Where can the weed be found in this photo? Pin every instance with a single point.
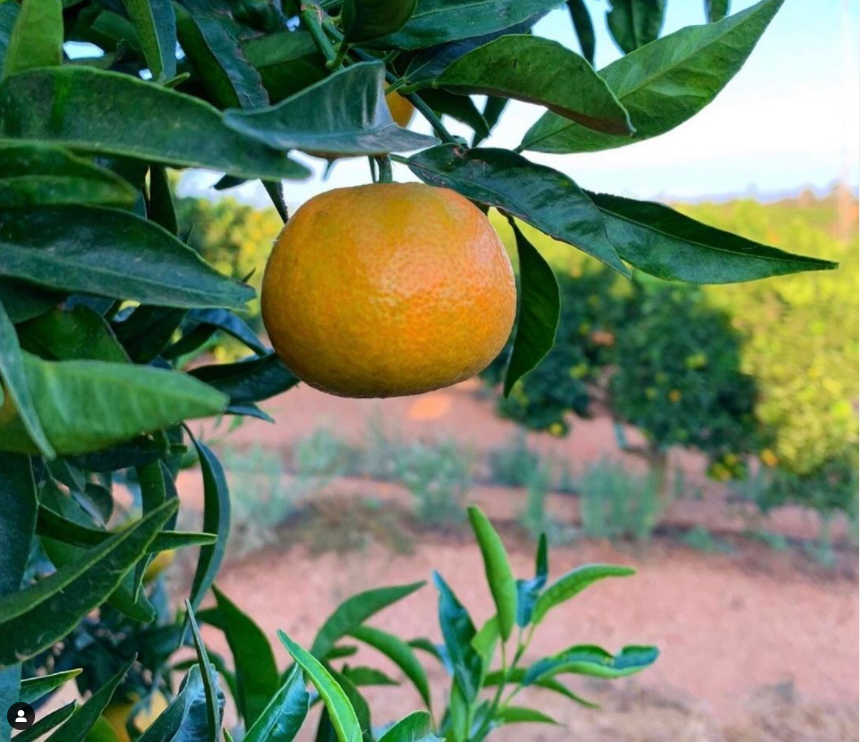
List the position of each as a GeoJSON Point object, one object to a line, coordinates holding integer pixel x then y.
{"type": "Point", "coordinates": [323, 454]}
{"type": "Point", "coordinates": [514, 464]}
{"type": "Point", "coordinates": [701, 539]}
{"type": "Point", "coordinates": [438, 476]}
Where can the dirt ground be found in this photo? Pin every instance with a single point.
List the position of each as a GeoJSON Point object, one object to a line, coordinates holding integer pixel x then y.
{"type": "Point", "coordinates": [755, 645]}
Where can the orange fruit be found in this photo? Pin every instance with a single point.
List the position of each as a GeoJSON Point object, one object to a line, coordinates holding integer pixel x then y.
{"type": "Point", "coordinates": [388, 289]}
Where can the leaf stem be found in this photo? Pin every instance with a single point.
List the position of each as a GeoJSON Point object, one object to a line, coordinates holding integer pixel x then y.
{"type": "Point", "coordinates": [385, 174]}
{"type": "Point", "coordinates": [335, 64]}
{"type": "Point", "coordinates": [311, 15]}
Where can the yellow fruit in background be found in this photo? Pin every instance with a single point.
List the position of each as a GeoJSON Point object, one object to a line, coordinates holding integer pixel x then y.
{"type": "Point", "coordinates": [159, 563]}
{"type": "Point", "coordinates": [117, 715]}
{"type": "Point", "coordinates": [388, 289]}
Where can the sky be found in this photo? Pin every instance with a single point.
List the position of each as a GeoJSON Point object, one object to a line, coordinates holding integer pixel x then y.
{"type": "Point", "coordinates": [789, 119]}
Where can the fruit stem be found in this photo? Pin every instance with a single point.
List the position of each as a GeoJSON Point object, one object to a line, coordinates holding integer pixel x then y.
{"type": "Point", "coordinates": [311, 15]}
{"type": "Point", "coordinates": [385, 174]}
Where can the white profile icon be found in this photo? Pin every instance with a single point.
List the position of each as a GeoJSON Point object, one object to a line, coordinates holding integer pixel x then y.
{"type": "Point", "coordinates": [21, 716]}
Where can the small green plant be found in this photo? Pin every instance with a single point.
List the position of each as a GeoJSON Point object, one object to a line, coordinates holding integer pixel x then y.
{"type": "Point", "coordinates": [438, 476]}
{"type": "Point", "coordinates": [701, 539]}
{"type": "Point", "coordinates": [514, 464]}
{"type": "Point", "coordinates": [535, 518]}
{"type": "Point", "coordinates": [617, 504]}
{"type": "Point", "coordinates": [774, 541]}
{"type": "Point", "coordinates": [323, 454]}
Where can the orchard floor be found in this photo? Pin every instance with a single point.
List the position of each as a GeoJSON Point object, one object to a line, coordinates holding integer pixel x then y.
{"type": "Point", "coordinates": [755, 645]}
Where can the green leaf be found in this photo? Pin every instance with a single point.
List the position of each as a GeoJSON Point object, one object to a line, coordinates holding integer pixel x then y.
{"type": "Point", "coordinates": [439, 21]}
{"type": "Point", "coordinates": [111, 253]}
{"type": "Point", "coordinates": [518, 674]}
{"type": "Point", "coordinates": [516, 66]}
{"type": "Point", "coordinates": [85, 717]}
{"type": "Point", "coordinates": [288, 62]}
{"type": "Point", "coordinates": [523, 715]}
{"type": "Point", "coordinates": [583, 26]}
{"type": "Point", "coordinates": [345, 114]}
{"type": "Point", "coordinates": [216, 319]}
{"type": "Point", "coordinates": [46, 175]}
{"type": "Point", "coordinates": [400, 653]}
{"type": "Point", "coordinates": [634, 23]}
{"type": "Point", "coordinates": [416, 727]}
{"type": "Point", "coordinates": [658, 240]}
{"type": "Point", "coordinates": [37, 37]}
{"type": "Point", "coordinates": [354, 611]}
{"type": "Point", "coordinates": [283, 717]}
{"type": "Point", "coordinates": [365, 20]}
{"type": "Point", "coordinates": [485, 642]}
{"type": "Point", "coordinates": [185, 714]}
{"type": "Point", "coordinates": [212, 692]}
{"type": "Point", "coordinates": [341, 713]}
{"type": "Point", "coordinates": [359, 705]}
{"type": "Point", "coordinates": [88, 405]}
{"type": "Point", "coordinates": [216, 519]}
{"type": "Point", "coordinates": [18, 395]}
{"type": "Point", "coordinates": [161, 207]}
{"type": "Point", "coordinates": [664, 83]}
{"type": "Point", "coordinates": [497, 568]}
{"type": "Point", "coordinates": [716, 10]}
{"type": "Point", "coordinates": [8, 13]}
{"type": "Point", "coordinates": [23, 301]}
{"type": "Point", "coordinates": [248, 381]}
{"type": "Point", "coordinates": [528, 591]}
{"type": "Point", "coordinates": [362, 676]}
{"type": "Point", "coordinates": [35, 618]}
{"type": "Point", "coordinates": [536, 194]}
{"type": "Point", "coordinates": [148, 330]}
{"type": "Point", "coordinates": [256, 672]}
{"type": "Point", "coordinates": [573, 583]}
{"type": "Point", "coordinates": [46, 723]}
{"type": "Point", "coordinates": [32, 689]}
{"type": "Point", "coordinates": [156, 30]}
{"type": "Point", "coordinates": [18, 507]}
{"type": "Point", "coordinates": [57, 106]}
{"type": "Point", "coordinates": [593, 661]}
{"type": "Point", "coordinates": [459, 107]}
{"type": "Point", "coordinates": [538, 312]}
{"type": "Point", "coordinates": [78, 334]}
{"type": "Point", "coordinates": [458, 631]}
{"type": "Point", "coordinates": [493, 109]}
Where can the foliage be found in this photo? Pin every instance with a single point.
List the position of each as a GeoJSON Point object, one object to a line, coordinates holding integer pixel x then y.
{"type": "Point", "coordinates": [513, 464]}
{"type": "Point", "coordinates": [438, 476]}
{"type": "Point", "coordinates": [102, 300]}
{"type": "Point", "coordinates": [617, 504]}
{"type": "Point", "coordinates": [701, 539]}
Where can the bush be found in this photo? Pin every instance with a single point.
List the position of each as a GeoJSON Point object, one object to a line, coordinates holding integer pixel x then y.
{"type": "Point", "coordinates": [438, 476]}
{"type": "Point", "coordinates": [514, 464]}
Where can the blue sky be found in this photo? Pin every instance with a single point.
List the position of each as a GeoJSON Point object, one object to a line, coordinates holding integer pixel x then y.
{"type": "Point", "coordinates": [789, 119]}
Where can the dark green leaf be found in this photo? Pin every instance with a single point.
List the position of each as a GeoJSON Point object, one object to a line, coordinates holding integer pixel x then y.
{"type": "Point", "coordinates": [634, 23]}
{"type": "Point", "coordinates": [416, 727]}
{"type": "Point", "coordinates": [365, 20]}
{"type": "Point", "coordinates": [493, 109]}
{"type": "Point", "coordinates": [78, 334]}
{"type": "Point", "coordinates": [664, 83]}
{"type": "Point", "coordinates": [283, 717]}
{"type": "Point", "coordinates": [460, 107]}
{"type": "Point", "coordinates": [37, 37]}
{"type": "Point", "coordinates": [138, 451]}
{"type": "Point", "coordinates": [341, 713]}
{"type": "Point", "coordinates": [56, 105]}
{"type": "Point", "coordinates": [161, 207]}
{"type": "Point", "coordinates": [216, 519]}
{"type": "Point", "coordinates": [32, 689]}
{"type": "Point", "coordinates": [497, 568]}
{"type": "Point", "coordinates": [214, 696]}
{"type": "Point", "coordinates": [8, 13]}
{"type": "Point", "coordinates": [88, 405]}
{"type": "Point", "coordinates": [540, 196]}
{"type": "Point", "coordinates": [147, 330]}
{"type": "Point", "coordinates": [716, 10]}
{"type": "Point", "coordinates": [362, 676]}
{"type": "Point", "coordinates": [256, 672]}
{"type": "Point", "coordinates": [518, 674]}
{"type": "Point", "coordinates": [458, 631]}
{"type": "Point", "coordinates": [439, 21]}
{"type": "Point", "coordinates": [288, 62]}
{"type": "Point", "coordinates": [522, 715]}
{"type": "Point", "coordinates": [45, 175]}
{"type": "Point", "coordinates": [111, 253]}
{"type": "Point", "coordinates": [583, 26]}
{"type": "Point", "coordinates": [248, 381]}
{"type": "Point", "coordinates": [573, 583]}
{"type": "Point", "coordinates": [593, 661]}
{"type": "Point", "coordinates": [220, 319]}
{"type": "Point", "coordinates": [35, 618]}
{"type": "Point", "coordinates": [399, 652]}
{"type": "Point", "coordinates": [18, 395]}
{"type": "Point", "coordinates": [156, 30]}
{"type": "Point", "coordinates": [529, 590]}
{"type": "Point", "coordinates": [184, 719]}
{"type": "Point", "coordinates": [515, 66]}
{"type": "Point", "coordinates": [663, 242]}
{"type": "Point", "coordinates": [345, 114]}
{"type": "Point", "coordinates": [46, 723]}
{"type": "Point", "coordinates": [354, 611]}
{"type": "Point", "coordinates": [359, 705]}
{"type": "Point", "coordinates": [23, 301]}
{"type": "Point", "coordinates": [538, 312]}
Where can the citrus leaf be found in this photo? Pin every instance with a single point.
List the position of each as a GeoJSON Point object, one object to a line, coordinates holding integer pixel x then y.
{"type": "Point", "coordinates": [111, 253]}
{"type": "Point", "coordinates": [365, 20]}
{"type": "Point", "coordinates": [518, 674]}
{"type": "Point", "coordinates": [716, 10]}
{"type": "Point", "coordinates": [538, 312]}
{"type": "Point", "coordinates": [283, 717]}
{"type": "Point", "coordinates": [78, 334]}
{"type": "Point", "coordinates": [36, 617]}
{"type": "Point", "coordinates": [439, 21]}
{"type": "Point", "coordinates": [536, 194]}
{"type": "Point", "coordinates": [592, 661]}
{"type": "Point", "coordinates": [340, 711]}
{"type": "Point", "coordinates": [161, 207]}
{"type": "Point", "coordinates": [216, 519]}
{"type": "Point", "coordinates": [248, 381]}
{"type": "Point", "coordinates": [8, 13]}
{"type": "Point", "coordinates": [156, 31]}
{"type": "Point", "coordinates": [46, 175]}
{"type": "Point", "coordinates": [634, 23]}
{"type": "Point", "coordinates": [23, 301]}
{"type": "Point", "coordinates": [416, 727]}
{"type": "Point", "coordinates": [354, 611]}
{"type": "Point", "coordinates": [253, 659]}
{"type": "Point", "coordinates": [16, 388]}
{"type": "Point", "coordinates": [288, 62]}
{"type": "Point", "coordinates": [215, 319]}
{"type": "Point", "coordinates": [523, 715]}
{"type": "Point", "coordinates": [85, 717]}
{"type": "Point", "coordinates": [32, 689]}
{"type": "Point", "coordinates": [400, 653]}
{"type": "Point", "coordinates": [458, 631]}
{"type": "Point", "coordinates": [573, 583]}
{"type": "Point", "coordinates": [583, 26]}
{"type": "Point", "coordinates": [147, 330]}
{"type": "Point", "coordinates": [179, 721]}
{"type": "Point", "coordinates": [345, 114]}
{"type": "Point", "coordinates": [58, 105]}
{"type": "Point", "coordinates": [88, 405]}
{"type": "Point", "coordinates": [529, 590]}
{"type": "Point", "coordinates": [359, 705]}
{"type": "Point", "coordinates": [361, 676]}
{"type": "Point", "coordinates": [541, 71]}
{"type": "Point", "coordinates": [212, 692]}
{"type": "Point", "coordinates": [37, 37]}
{"type": "Point", "coordinates": [46, 723]}
{"type": "Point", "coordinates": [459, 107]}
{"type": "Point", "coordinates": [658, 240]}
{"type": "Point", "coordinates": [664, 83]}
{"type": "Point", "coordinates": [497, 568]}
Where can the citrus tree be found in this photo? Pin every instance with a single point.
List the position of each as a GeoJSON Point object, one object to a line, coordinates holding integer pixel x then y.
{"type": "Point", "coordinates": [100, 293]}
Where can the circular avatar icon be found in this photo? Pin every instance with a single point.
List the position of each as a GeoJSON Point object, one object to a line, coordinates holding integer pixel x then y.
{"type": "Point", "coordinates": [21, 716]}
